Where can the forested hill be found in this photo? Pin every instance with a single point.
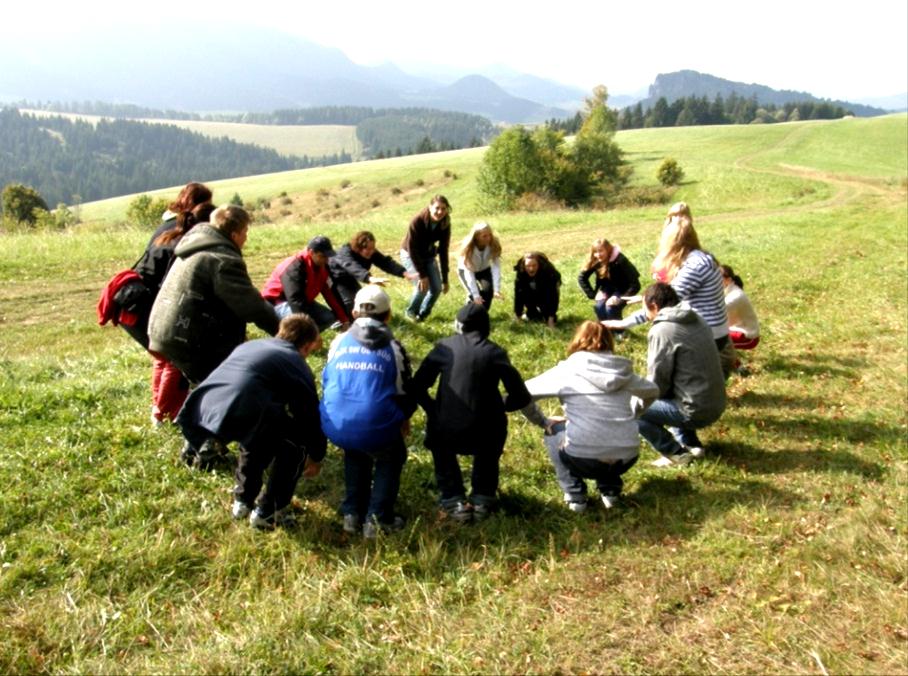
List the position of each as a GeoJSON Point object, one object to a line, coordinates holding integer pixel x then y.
{"type": "Point", "coordinates": [382, 131]}
{"type": "Point", "coordinates": [71, 160]}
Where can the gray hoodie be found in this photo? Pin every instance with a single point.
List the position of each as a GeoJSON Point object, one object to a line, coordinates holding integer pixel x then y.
{"type": "Point", "coordinates": [684, 362]}
{"type": "Point", "coordinates": [595, 389]}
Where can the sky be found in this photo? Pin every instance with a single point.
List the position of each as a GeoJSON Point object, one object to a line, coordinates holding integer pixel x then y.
{"type": "Point", "coordinates": [837, 50]}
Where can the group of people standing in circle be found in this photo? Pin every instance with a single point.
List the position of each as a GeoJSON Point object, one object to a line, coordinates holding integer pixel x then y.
{"type": "Point", "coordinates": [191, 297]}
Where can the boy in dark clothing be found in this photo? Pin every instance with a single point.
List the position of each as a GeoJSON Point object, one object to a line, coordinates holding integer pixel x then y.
{"type": "Point", "coordinates": [365, 411]}
{"type": "Point", "coordinates": [263, 396]}
{"type": "Point", "coordinates": [467, 416]}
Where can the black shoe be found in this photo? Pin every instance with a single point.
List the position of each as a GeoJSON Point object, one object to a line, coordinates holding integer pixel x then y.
{"type": "Point", "coordinates": [189, 454]}
{"type": "Point", "coordinates": [212, 453]}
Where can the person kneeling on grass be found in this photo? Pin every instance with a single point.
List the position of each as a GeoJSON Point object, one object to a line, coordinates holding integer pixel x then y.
{"type": "Point", "coordinates": [467, 416]}
{"type": "Point", "coordinates": [365, 411]}
{"type": "Point", "coordinates": [683, 361]}
{"type": "Point", "coordinates": [597, 437]}
{"type": "Point", "coordinates": [263, 396]}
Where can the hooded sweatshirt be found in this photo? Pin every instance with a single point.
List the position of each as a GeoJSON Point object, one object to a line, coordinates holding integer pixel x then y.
{"type": "Point", "coordinates": [595, 390]}
{"type": "Point", "coordinates": [468, 414]}
{"type": "Point", "coordinates": [201, 311]}
{"type": "Point", "coordinates": [363, 402]}
{"type": "Point", "coordinates": [684, 363]}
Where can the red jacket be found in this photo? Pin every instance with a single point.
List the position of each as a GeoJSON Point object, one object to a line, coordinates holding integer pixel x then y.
{"type": "Point", "coordinates": [297, 281]}
{"type": "Point", "coordinates": [108, 310]}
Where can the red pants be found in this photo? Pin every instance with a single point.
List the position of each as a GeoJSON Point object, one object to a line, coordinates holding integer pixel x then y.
{"type": "Point", "coordinates": [742, 342]}
{"type": "Point", "coordinates": [169, 389]}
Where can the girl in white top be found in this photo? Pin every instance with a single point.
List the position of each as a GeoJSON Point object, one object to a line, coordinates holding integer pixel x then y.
{"type": "Point", "coordinates": [479, 265]}
{"type": "Point", "coordinates": [743, 327]}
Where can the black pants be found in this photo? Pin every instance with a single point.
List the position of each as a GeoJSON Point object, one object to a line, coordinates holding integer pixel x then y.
{"type": "Point", "coordinates": [483, 481]}
{"type": "Point", "coordinates": [286, 460]}
{"type": "Point", "coordinates": [484, 282]}
{"type": "Point", "coordinates": [607, 475]}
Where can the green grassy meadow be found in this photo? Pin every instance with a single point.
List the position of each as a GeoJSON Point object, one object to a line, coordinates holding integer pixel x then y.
{"type": "Point", "coordinates": [784, 550]}
{"type": "Point", "coordinates": [290, 139]}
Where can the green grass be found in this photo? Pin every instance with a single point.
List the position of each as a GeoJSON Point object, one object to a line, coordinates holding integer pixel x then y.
{"type": "Point", "coordinates": [784, 551]}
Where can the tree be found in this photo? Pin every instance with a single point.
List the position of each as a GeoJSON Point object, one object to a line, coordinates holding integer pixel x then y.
{"type": "Point", "coordinates": [236, 200]}
{"type": "Point", "coordinates": [595, 152]}
{"type": "Point", "coordinates": [22, 203]}
{"type": "Point", "coordinates": [670, 172]}
{"type": "Point", "coordinates": [510, 167]}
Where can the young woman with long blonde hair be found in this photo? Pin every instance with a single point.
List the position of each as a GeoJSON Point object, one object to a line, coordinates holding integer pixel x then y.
{"type": "Point", "coordinates": [479, 265]}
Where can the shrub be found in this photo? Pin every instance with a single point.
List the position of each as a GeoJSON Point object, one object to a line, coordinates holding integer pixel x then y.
{"type": "Point", "coordinates": [420, 182]}
{"type": "Point", "coordinates": [236, 200]}
{"type": "Point", "coordinates": [376, 203]}
{"type": "Point", "coordinates": [22, 203]}
{"type": "Point", "coordinates": [345, 183]}
{"type": "Point", "coordinates": [396, 191]}
{"type": "Point", "coordinates": [286, 200]}
{"type": "Point", "coordinates": [670, 172]}
{"type": "Point", "coordinates": [146, 211]}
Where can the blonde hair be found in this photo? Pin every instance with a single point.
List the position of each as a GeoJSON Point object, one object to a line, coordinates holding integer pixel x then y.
{"type": "Point", "coordinates": [594, 263]}
{"type": "Point", "coordinates": [678, 239]}
{"type": "Point", "coordinates": [678, 209]}
{"type": "Point", "coordinates": [591, 337]}
{"type": "Point", "coordinates": [469, 243]}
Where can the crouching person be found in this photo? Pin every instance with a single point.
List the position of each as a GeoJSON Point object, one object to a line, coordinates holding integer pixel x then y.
{"type": "Point", "coordinates": [597, 437]}
{"type": "Point", "coordinates": [365, 411]}
{"type": "Point", "coordinates": [467, 416]}
{"type": "Point", "coordinates": [263, 396]}
{"type": "Point", "coordinates": [683, 361]}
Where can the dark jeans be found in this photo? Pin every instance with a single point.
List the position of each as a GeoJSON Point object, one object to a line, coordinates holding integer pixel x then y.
{"type": "Point", "coordinates": [604, 312]}
{"type": "Point", "coordinates": [483, 479]}
{"type": "Point", "coordinates": [571, 470]}
{"type": "Point", "coordinates": [286, 460]}
{"type": "Point", "coordinates": [321, 315]}
{"type": "Point", "coordinates": [607, 475]}
{"type": "Point", "coordinates": [372, 481]}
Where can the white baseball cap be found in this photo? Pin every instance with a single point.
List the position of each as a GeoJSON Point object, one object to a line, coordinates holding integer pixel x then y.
{"type": "Point", "coordinates": [371, 300]}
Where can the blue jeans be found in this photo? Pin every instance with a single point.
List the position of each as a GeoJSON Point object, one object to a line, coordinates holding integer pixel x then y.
{"type": "Point", "coordinates": [322, 316]}
{"type": "Point", "coordinates": [421, 303]}
{"type": "Point", "coordinates": [372, 482]}
{"type": "Point", "coordinates": [680, 429]}
{"type": "Point", "coordinates": [604, 311]}
{"type": "Point", "coordinates": [571, 471]}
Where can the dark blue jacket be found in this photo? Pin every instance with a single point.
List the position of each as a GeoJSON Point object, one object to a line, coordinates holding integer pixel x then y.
{"type": "Point", "coordinates": [263, 388]}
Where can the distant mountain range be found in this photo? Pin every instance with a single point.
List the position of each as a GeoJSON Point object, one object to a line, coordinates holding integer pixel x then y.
{"type": "Point", "coordinates": [239, 69]}
{"type": "Point", "coordinates": [685, 83]}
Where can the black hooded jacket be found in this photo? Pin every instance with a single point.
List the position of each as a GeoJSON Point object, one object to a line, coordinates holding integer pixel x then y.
{"type": "Point", "coordinates": [468, 412]}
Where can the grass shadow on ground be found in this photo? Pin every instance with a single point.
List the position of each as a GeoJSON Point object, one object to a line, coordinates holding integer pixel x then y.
{"type": "Point", "coordinates": [760, 461]}
{"type": "Point", "coordinates": [827, 366]}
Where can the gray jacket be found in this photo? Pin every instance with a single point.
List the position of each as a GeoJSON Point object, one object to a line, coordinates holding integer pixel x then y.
{"type": "Point", "coordinates": [684, 363]}
{"type": "Point", "coordinates": [596, 390]}
{"type": "Point", "coordinates": [201, 311]}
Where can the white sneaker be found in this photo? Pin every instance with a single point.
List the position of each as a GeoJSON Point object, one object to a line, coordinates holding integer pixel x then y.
{"type": "Point", "coordinates": [683, 458]}
{"type": "Point", "coordinates": [696, 451]}
{"type": "Point", "coordinates": [240, 510]}
{"type": "Point", "coordinates": [573, 504]}
{"type": "Point", "coordinates": [610, 501]}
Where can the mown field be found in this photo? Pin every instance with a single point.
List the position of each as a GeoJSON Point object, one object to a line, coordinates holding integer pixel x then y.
{"type": "Point", "coordinates": [291, 139]}
{"type": "Point", "coordinates": [784, 550]}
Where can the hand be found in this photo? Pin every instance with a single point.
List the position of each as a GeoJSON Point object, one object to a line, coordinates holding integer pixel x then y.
{"type": "Point", "coordinates": [380, 281]}
{"type": "Point", "coordinates": [632, 299]}
{"type": "Point", "coordinates": [498, 295]}
{"type": "Point", "coordinates": [311, 468]}
{"type": "Point", "coordinates": [344, 326]}
{"type": "Point", "coordinates": [550, 322]}
{"type": "Point", "coordinates": [601, 295]}
{"type": "Point", "coordinates": [405, 428]}
{"type": "Point", "coordinates": [412, 276]}
{"type": "Point", "coordinates": [612, 324]}
{"type": "Point", "coordinates": [423, 285]}
{"type": "Point", "coordinates": [613, 301]}
{"type": "Point", "coordinates": [477, 300]}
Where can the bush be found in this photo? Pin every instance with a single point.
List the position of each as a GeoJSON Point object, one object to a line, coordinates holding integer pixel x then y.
{"type": "Point", "coordinates": [396, 191]}
{"type": "Point", "coordinates": [236, 200]}
{"type": "Point", "coordinates": [146, 211]}
{"type": "Point", "coordinates": [22, 203]}
{"type": "Point", "coordinates": [345, 183]}
{"type": "Point", "coordinates": [670, 172]}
